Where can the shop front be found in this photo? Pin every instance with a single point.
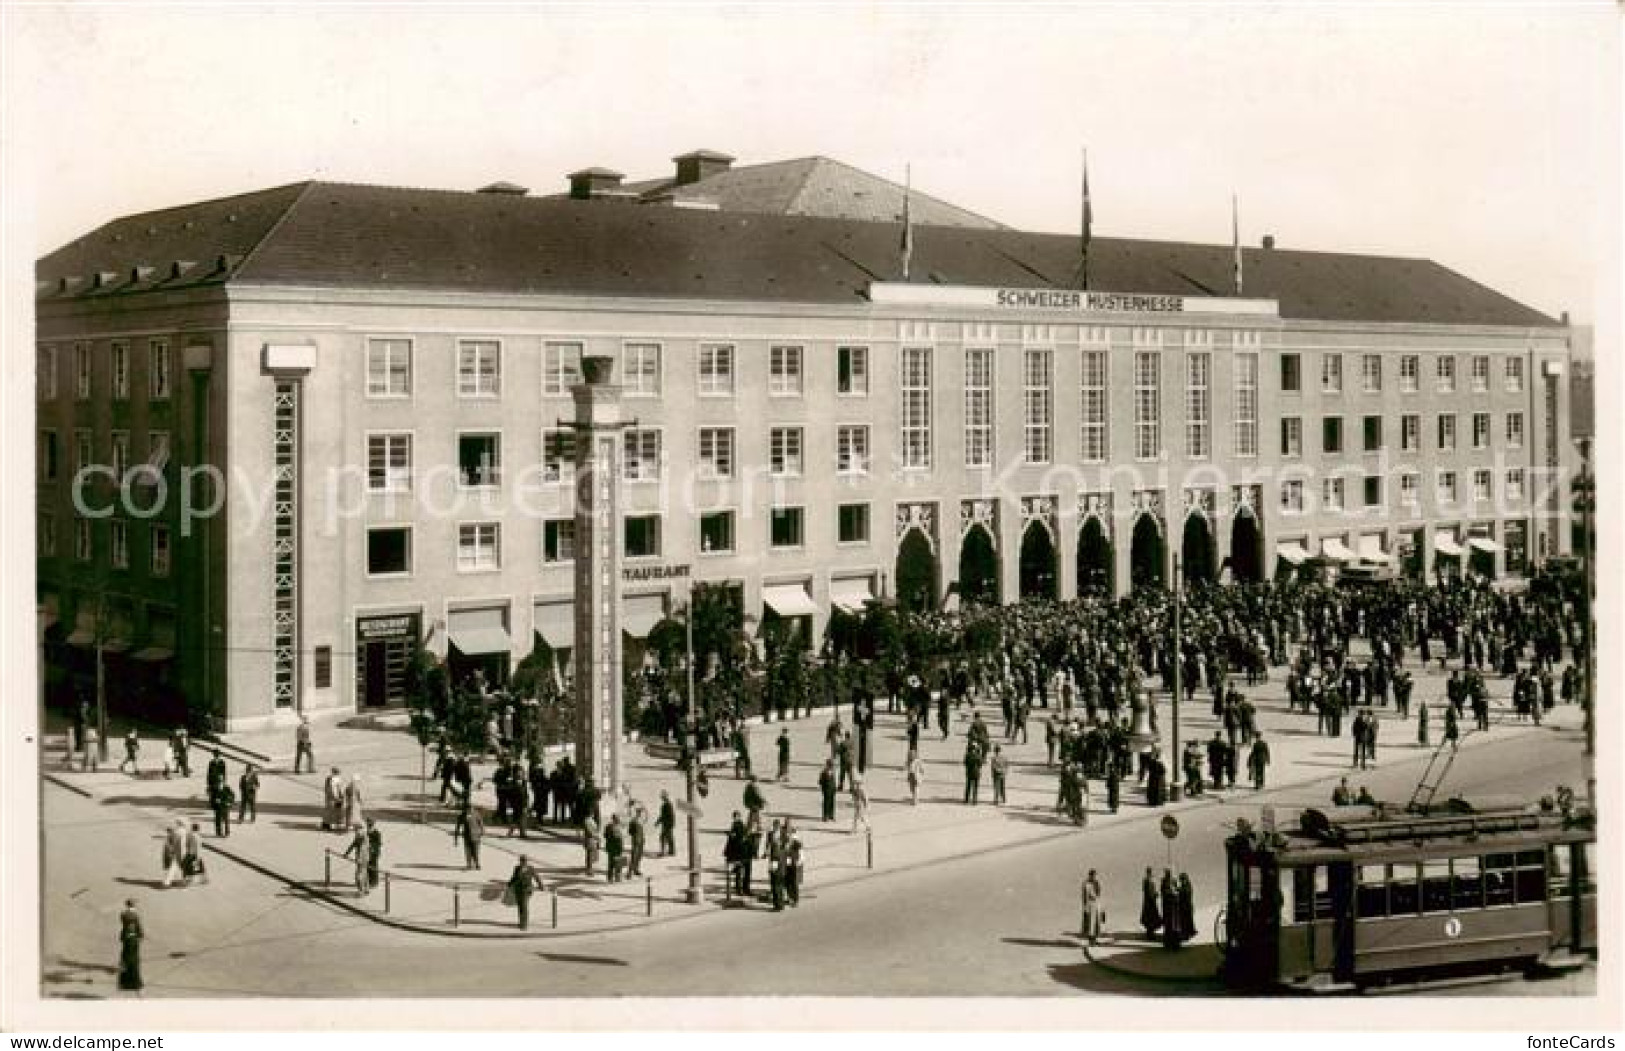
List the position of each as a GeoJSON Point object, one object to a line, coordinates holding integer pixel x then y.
{"type": "Point", "coordinates": [385, 645]}
{"type": "Point", "coordinates": [479, 645]}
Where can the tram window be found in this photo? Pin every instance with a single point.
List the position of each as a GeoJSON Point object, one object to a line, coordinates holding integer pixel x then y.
{"type": "Point", "coordinates": [1403, 897]}
{"type": "Point", "coordinates": [1255, 884]}
{"type": "Point", "coordinates": [1311, 894]}
{"type": "Point", "coordinates": [1436, 885]}
{"type": "Point", "coordinates": [1371, 897]}
{"type": "Point", "coordinates": [1299, 913]}
{"type": "Point", "coordinates": [1588, 868]}
{"type": "Point", "coordinates": [1498, 869]}
{"type": "Point", "coordinates": [1557, 870]}
{"type": "Point", "coordinates": [1467, 881]}
{"type": "Point", "coordinates": [1531, 879]}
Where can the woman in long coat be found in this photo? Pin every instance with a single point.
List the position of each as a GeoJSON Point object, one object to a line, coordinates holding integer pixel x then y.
{"type": "Point", "coordinates": [129, 938]}
{"type": "Point", "coordinates": [1150, 915]}
{"type": "Point", "coordinates": [1187, 908]}
{"type": "Point", "coordinates": [1094, 913]}
{"type": "Point", "coordinates": [353, 814]}
{"type": "Point", "coordinates": [174, 850]}
{"type": "Point", "coordinates": [1172, 927]}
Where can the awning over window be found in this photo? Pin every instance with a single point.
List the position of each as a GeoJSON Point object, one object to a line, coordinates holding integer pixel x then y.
{"type": "Point", "coordinates": [556, 622]}
{"type": "Point", "coordinates": [850, 594]}
{"type": "Point", "coordinates": [1445, 544]}
{"type": "Point", "coordinates": [1292, 551]}
{"type": "Point", "coordinates": [1371, 549]}
{"type": "Point", "coordinates": [640, 613]}
{"type": "Point", "coordinates": [476, 632]}
{"type": "Point", "coordinates": [1334, 548]}
{"type": "Point", "coordinates": [788, 600]}
{"type": "Point", "coordinates": [1483, 543]}
{"type": "Point", "coordinates": [161, 642]}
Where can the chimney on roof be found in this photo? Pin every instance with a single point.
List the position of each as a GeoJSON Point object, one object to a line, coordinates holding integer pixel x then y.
{"type": "Point", "coordinates": [700, 164]}
{"type": "Point", "coordinates": [504, 188]}
{"type": "Point", "coordinates": [1269, 241]}
{"type": "Point", "coordinates": [594, 182]}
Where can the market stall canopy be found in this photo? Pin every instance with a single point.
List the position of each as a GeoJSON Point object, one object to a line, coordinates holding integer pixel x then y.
{"type": "Point", "coordinates": [1445, 544]}
{"type": "Point", "coordinates": [851, 594]}
{"type": "Point", "coordinates": [640, 614]}
{"type": "Point", "coordinates": [1334, 548]}
{"type": "Point", "coordinates": [1371, 549]}
{"type": "Point", "coordinates": [556, 623]}
{"type": "Point", "coordinates": [1293, 551]}
{"type": "Point", "coordinates": [479, 631]}
{"type": "Point", "coordinates": [789, 600]}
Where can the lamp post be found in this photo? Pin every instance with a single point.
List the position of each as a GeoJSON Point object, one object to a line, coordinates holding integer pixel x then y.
{"type": "Point", "coordinates": [1175, 760]}
{"type": "Point", "coordinates": [695, 894]}
{"type": "Point", "coordinates": [1586, 499]}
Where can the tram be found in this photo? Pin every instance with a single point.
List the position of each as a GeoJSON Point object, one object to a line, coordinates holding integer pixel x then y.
{"type": "Point", "coordinates": [1361, 895]}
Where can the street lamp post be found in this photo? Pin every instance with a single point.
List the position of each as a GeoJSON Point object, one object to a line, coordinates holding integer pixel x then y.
{"type": "Point", "coordinates": [1587, 501]}
{"type": "Point", "coordinates": [1175, 761]}
{"type": "Point", "coordinates": [691, 750]}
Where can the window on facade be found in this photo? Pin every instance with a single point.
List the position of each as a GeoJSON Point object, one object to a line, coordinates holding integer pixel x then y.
{"type": "Point", "coordinates": [121, 370]}
{"type": "Point", "coordinates": [45, 373]}
{"type": "Point", "coordinates": [561, 368]}
{"type": "Point", "coordinates": [1038, 405]}
{"type": "Point", "coordinates": [479, 459]}
{"type": "Point", "coordinates": [559, 540]}
{"type": "Point", "coordinates": [1332, 494]}
{"type": "Point", "coordinates": [389, 550]}
{"type": "Point", "coordinates": [1147, 405]}
{"type": "Point", "coordinates": [1373, 490]}
{"type": "Point", "coordinates": [389, 368]}
{"type": "Point", "coordinates": [1095, 422]}
{"type": "Point", "coordinates": [1514, 375]}
{"type": "Point", "coordinates": [978, 407]}
{"type": "Point", "coordinates": [1198, 404]}
{"type": "Point", "coordinates": [1291, 373]}
{"type": "Point", "coordinates": [83, 549]}
{"type": "Point", "coordinates": [1447, 431]}
{"type": "Point", "coordinates": [1515, 483]}
{"type": "Point", "coordinates": [1291, 436]}
{"type": "Point", "coordinates": [916, 407]}
{"type": "Point", "coordinates": [1481, 430]}
{"type": "Point", "coordinates": [118, 544]}
{"type": "Point", "coordinates": [160, 550]}
{"type": "Point", "coordinates": [152, 470]}
{"type": "Point", "coordinates": [45, 534]}
{"type": "Point", "coordinates": [158, 373]}
{"type": "Point", "coordinates": [1331, 373]}
{"type": "Point", "coordinates": [785, 526]}
{"type": "Point", "coordinates": [1481, 373]}
{"type": "Point", "coordinates": [716, 452]}
{"type": "Point", "coordinates": [1246, 366]}
{"type": "Point", "coordinates": [121, 455]}
{"type": "Point", "coordinates": [1447, 487]}
{"type": "Point", "coordinates": [784, 372]}
{"type": "Point", "coordinates": [640, 371]}
{"type": "Point", "coordinates": [1483, 485]}
{"type": "Point", "coordinates": [852, 449]}
{"type": "Point", "coordinates": [1445, 372]}
{"type": "Point", "coordinates": [1514, 430]}
{"type": "Point", "coordinates": [717, 531]}
{"type": "Point", "coordinates": [324, 667]}
{"type": "Point", "coordinates": [479, 546]}
{"type": "Point", "coordinates": [1331, 434]}
{"type": "Point", "coordinates": [852, 522]}
{"type": "Point", "coordinates": [1410, 373]}
{"type": "Point", "coordinates": [640, 455]}
{"type": "Point", "coordinates": [784, 451]}
{"type": "Point", "coordinates": [716, 369]}
{"type": "Point", "coordinates": [1372, 428]}
{"type": "Point", "coordinates": [81, 371]}
{"type": "Point", "coordinates": [852, 370]}
{"type": "Point", "coordinates": [1410, 432]}
{"type": "Point", "coordinates": [389, 462]}
{"type": "Point", "coordinates": [1371, 373]}
{"type": "Point", "coordinates": [641, 536]}
{"type": "Point", "coordinates": [479, 368]}
{"type": "Point", "coordinates": [50, 456]}
{"type": "Point", "coordinates": [1410, 488]}
{"type": "Point", "coordinates": [558, 455]}
{"type": "Point", "coordinates": [1292, 495]}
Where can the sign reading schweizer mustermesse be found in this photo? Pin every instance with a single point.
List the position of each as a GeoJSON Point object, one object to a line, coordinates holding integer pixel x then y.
{"type": "Point", "coordinates": [1071, 300]}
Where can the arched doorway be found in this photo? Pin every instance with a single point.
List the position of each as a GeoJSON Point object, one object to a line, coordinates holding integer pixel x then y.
{"type": "Point", "coordinates": [1146, 554]}
{"type": "Point", "coordinates": [1246, 548]}
{"type": "Point", "coordinates": [916, 573]}
{"type": "Point", "coordinates": [1038, 575]}
{"type": "Point", "coordinates": [1094, 558]}
{"type": "Point", "coordinates": [1196, 551]}
{"type": "Point", "coordinates": [978, 567]}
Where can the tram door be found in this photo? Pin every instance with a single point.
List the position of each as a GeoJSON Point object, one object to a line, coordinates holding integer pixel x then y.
{"type": "Point", "coordinates": [1253, 924]}
{"type": "Point", "coordinates": [1342, 882]}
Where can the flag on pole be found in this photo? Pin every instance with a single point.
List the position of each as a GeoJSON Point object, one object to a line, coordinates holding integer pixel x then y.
{"type": "Point", "coordinates": [1235, 239]}
{"type": "Point", "coordinates": [908, 223]}
{"type": "Point", "coordinates": [1088, 224]}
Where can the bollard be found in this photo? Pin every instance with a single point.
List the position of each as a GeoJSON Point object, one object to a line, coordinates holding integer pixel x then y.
{"type": "Point", "coordinates": [386, 892]}
{"type": "Point", "coordinates": [869, 845]}
{"type": "Point", "coordinates": [327, 866]}
{"type": "Point", "coordinates": [456, 906]}
{"type": "Point", "coordinates": [648, 896]}
{"type": "Point", "coordinates": [555, 910]}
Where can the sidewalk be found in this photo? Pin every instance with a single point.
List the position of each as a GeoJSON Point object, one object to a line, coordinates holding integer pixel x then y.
{"type": "Point", "coordinates": [429, 890]}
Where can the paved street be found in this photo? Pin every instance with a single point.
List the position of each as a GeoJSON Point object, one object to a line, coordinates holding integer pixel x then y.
{"type": "Point", "coordinates": [959, 901]}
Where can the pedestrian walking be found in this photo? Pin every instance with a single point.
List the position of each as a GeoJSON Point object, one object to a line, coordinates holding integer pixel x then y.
{"type": "Point", "coordinates": [183, 750]}
{"type": "Point", "coordinates": [192, 855]}
{"type": "Point", "coordinates": [90, 753]}
{"type": "Point", "coordinates": [473, 832]}
{"type": "Point", "coordinates": [130, 936]}
{"type": "Point", "coordinates": [1422, 724]}
{"type": "Point", "coordinates": [615, 847]}
{"type": "Point", "coordinates": [522, 883]}
{"type": "Point", "coordinates": [375, 853]}
{"type": "Point", "coordinates": [222, 803]}
{"type": "Point", "coordinates": [784, 755]}
{"type": "Point", "coordinates": [1258, 762]}
{"type": "Point", "coordinates": [1094, 911]}
{"type": "Point", "coordinates": [1150, 914]}
{"type": "Point", "coordinates": [592, 841]}
{"type": "Point", "coordinates": [827, 790]}
{"type": "Point", "coordinates": [666, 822]}
{"type": "Point", "coordinates": [860, 805]}
{"type": "Point", "coordinates": [353, 812]}
{"type": "Point", "coordinates": [167, 757]}
{"type": "Point", "coordinates": [998, 765]}
{"type": "Point", "coordinates": [1185, 895]}
{"type": "Point", "coordinates": [916, 777]}
{"type": "Point", "coordinates": [1172, 929]}
{"type": "Point", "coordinates": [302, 750]}
{"type": "Point", "coordinates": [248, 791]}
{"type": "Point", "coordinates": [174, 851]}
{"type": "Point", "coordinates": [357, 852]}
{"type": "Point", "coordinates": [132, 754]}
{"type": "Point", "coordinates": [333, 802]}
{"type": "Point", "coordinates": [635, 833]}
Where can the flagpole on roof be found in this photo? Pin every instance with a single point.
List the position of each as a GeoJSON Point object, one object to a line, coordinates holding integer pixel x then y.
{"type": "Point", "coordinates": [908, 222]}
{"type": "Point", "coordinates": [1087, 234]}
{"type": "Point", "coordinates": [1235, 239]}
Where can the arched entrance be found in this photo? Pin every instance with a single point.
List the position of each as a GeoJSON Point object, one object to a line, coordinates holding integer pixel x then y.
{"type": "Point", "coordinates": [1246, 548]}
{"type": "Point", "coordinates": [978, 567]}
{"type": "Point", "coordinates": [1196, 551]}
{"type": "Point", "coordinates": [1146, 554]}
{"type": "Point", "coordinates": [916, 573]}
{"type": "Point", "coordinates": [1038, 576]}
{"type": "Point", "coordinates": [1094, 558]}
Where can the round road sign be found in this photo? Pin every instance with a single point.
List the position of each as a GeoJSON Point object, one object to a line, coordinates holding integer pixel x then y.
{"type": "Point", "coordinates": [1170, 826]}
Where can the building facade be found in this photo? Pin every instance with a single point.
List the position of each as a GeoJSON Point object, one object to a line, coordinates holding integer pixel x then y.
{"type": "Point", "coordinates": [338, 418]}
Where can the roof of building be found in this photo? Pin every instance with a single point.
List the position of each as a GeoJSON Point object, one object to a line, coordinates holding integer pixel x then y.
{"type": "Point", "coordinates": [355, 236]}
{"type": "Point", "coordinates": [810, 186]}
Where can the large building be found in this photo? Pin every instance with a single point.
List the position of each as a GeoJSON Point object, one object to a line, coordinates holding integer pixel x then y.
{"type": "Point", "coordinates": [338, 417]}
